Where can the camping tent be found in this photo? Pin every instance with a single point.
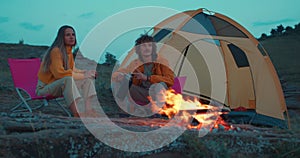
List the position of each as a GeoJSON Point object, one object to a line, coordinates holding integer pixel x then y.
{"type": "Point", "coordinates": [205, 41]}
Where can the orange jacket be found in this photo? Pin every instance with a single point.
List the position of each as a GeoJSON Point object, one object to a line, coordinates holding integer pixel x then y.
{"type": "Point", "coordinates": [56, 69]}
{"type": "Point", "coordinates": [161, 72]}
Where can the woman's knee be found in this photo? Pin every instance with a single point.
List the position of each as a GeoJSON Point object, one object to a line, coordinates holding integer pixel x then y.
{"type": "Point", "coordinates": [68, 79]}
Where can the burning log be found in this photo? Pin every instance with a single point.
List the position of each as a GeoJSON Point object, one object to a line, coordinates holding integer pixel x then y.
{"type": "Point", "coordinates": [195, 113]}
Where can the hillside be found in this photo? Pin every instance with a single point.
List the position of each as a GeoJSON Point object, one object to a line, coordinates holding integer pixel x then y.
{"type": "Point", "coordinates": [284, 53]}
{"type": "Point", "coordinates": [20, 51]}
{"type": "Point", "coordinates": [47, 133]}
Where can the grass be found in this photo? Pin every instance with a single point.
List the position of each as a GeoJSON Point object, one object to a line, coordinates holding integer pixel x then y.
{"type": "Point", "coordinates": [284, 53]}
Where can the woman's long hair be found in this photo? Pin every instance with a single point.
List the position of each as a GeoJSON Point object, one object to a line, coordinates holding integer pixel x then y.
{"type": "Point", "coordinates": [145, 39]}
{"type": "Point", "coordinates": [60, 43]}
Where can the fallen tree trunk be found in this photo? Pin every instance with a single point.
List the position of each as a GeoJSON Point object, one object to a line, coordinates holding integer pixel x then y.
{"type": "Point", "coordinates": [26, 135]}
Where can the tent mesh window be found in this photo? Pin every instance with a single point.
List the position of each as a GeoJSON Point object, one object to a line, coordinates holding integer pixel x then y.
{"type": "Point", "coordinates": [223, 28]}
{"type": "Point", "coordinates": [239, 56]}
{"type": "Point", "coordinates": [211, 25]}
{"type": "Point", "coordinates": [161, 34]}
{"type": "Point", "coordinates": [199, 24]}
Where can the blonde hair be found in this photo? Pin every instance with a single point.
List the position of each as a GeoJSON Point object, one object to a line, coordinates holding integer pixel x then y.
{"type": "Point", "coordinates": [60, 43]}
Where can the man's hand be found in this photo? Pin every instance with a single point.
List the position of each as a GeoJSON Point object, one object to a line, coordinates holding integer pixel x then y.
{"type": "Point", "coordinates": [140, 76]}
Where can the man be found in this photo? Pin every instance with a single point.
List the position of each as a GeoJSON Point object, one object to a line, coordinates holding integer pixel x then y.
{"type": "Point", "coordinates": [150, 73]}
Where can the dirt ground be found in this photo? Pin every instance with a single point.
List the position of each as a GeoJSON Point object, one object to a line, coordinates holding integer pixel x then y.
{"type": "Point", "coordinates": [48, 133]}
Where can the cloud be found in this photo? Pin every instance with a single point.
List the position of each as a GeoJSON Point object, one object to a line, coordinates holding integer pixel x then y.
{"type": "Point", "coordinates": [265, 23]}
{"type": "Point", "coordinates": [30, 26]}
{"type": "Point", "coordinates": [3, 19]}
{"type": "Point", "coordinates": [86, 15]}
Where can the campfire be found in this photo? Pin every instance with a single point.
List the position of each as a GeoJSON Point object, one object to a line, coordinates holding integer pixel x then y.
{"type": "Point", "coordinates": [193, 112]}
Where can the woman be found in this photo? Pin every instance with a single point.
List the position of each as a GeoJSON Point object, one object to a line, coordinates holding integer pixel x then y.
{"type": "Point", "coordinates": [58, 72]}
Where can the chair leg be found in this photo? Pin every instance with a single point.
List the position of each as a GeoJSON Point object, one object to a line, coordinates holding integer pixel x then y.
{"type": "Point", "coordinates": [27, 107]}
{"type": "Point", "coordinates": [24, 101]}
{"type": "Point", "coordinates": [65, 110]}
{"type": "Point", "coordinates": [42, 105]}
{"type": "Point", "coordinates": [17, 106]}
{"type": "Point", "coordinates": [45, 102]}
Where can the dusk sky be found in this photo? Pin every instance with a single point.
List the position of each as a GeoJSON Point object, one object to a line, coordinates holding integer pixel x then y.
{"type": "Point", "coordinates": [37, 21]}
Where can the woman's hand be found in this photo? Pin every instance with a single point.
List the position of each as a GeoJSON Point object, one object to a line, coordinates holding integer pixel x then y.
{"type": "Point", "coordinates": [118, 76]}
{"type": "Point", "coordinates": [90, 74]}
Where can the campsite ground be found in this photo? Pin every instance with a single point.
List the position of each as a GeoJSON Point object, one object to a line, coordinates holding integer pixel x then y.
{"type": "Point", "coordinates": [47, 134]}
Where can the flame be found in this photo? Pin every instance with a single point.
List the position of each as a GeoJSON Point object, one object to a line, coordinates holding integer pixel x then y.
{"type": "Point", "coordinates": [187, 109]}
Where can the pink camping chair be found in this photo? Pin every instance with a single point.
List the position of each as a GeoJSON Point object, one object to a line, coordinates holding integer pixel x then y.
{"type": "Point", "coordinates": [179, 83]}
{"type": "Point", "coordinates": [24, 74]}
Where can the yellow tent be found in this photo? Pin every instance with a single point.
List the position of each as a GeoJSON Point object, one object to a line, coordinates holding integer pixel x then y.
{"type": "Point", "coordinates": [222, 62]}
